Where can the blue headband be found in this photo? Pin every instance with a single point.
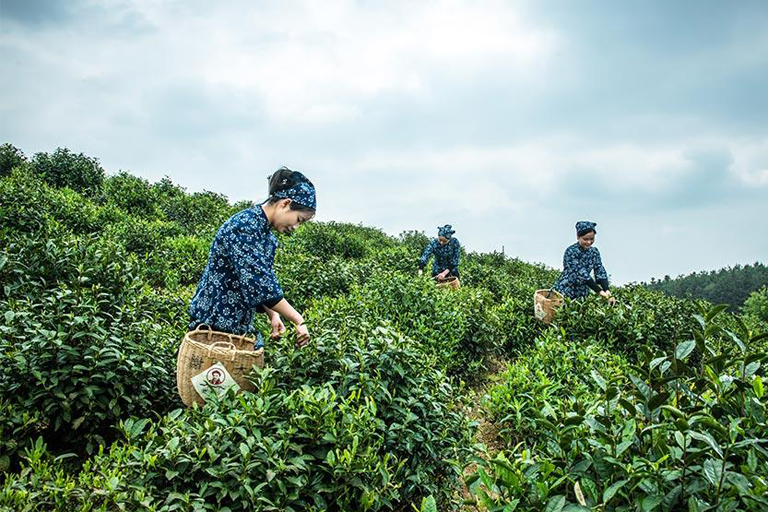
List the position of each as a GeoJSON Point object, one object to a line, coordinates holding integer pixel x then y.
{"type": "Point", "coordinates": [445, 231]}
{"type": "Point", "coordinates": [302, 193]}
{"type": "Point", "coordinates": [584, 226]}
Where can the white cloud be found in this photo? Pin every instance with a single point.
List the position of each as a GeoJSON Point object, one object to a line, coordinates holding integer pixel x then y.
{"type": "Point", "coordinates": [310, 61]}
{"type": "Point", "coordinates": [751, 162]}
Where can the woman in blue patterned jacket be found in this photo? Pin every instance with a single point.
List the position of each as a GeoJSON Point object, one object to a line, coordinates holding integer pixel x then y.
{"type": "Point", "coordinates": [579, 262]}
{"type": "Point", "coordinates": [446, 250]}
{"type": "Point", "coordinates": [238, 280]}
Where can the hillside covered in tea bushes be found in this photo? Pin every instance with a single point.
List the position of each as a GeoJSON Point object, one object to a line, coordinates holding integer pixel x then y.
{"type": "Point", "coordinates": [408, 396]}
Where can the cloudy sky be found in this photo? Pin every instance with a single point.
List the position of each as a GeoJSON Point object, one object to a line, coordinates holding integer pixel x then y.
{"type": "Point", "coordinates": [509, 120]}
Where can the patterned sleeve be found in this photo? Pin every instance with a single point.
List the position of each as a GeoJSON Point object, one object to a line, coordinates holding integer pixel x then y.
{"type": "Point", "coordinates": [455, 253]}
{"type": "Point", "coordinates": [599, 269]}
{"type": "Point", "coordinates": [258, 282]}
{"type": "Point", "coordinates": [427, 253]}
{"type": "Point", "coordinates": [573, 267]}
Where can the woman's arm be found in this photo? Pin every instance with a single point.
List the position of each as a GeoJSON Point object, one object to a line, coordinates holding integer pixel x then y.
{"type": "Point", "coordinates": [278, 328]}
{"type": "Point", "coordinates": [455, 255]}
{"type": "Point", "coordinates": [253, 268]}
{"type": "Point", "coordinates": [427, 253]}
{"type": "Point", "coordinates": [600, 273]}
{"type": "Point", "coordinates": [601, 276]}
{"type": "Point", "coordinates": [284, 309]}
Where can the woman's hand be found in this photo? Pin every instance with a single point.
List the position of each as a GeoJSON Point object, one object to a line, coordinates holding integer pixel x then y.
{"type": "Point", "coordinates": [302, 335]}
{"type": "Point", "coordinates": [441, 275]}
{"type": "Point", "coordinates": [284, 309]}
{"type": "Point", "coordinates": [607, 295]}
{"type": "Point", "coordinates": [278, 328]}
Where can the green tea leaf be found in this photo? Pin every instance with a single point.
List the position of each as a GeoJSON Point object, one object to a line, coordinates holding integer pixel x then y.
{"type": "Point", "coordinates": [598, 379]}
{"type": "Point", "coordinates": [713, 471]}
{"type": "Point", "coordinates": [612, 490]}
{"type": "Point", "coordinates": [555, 504]}
{"type": "Point", "coordinates": [651, 502]}
{"type": "Point", "coordinates": [684, 349]}
{"type": "Point", "coordinates": [716, 311]}
{"type": "Point", "coordinates": [428, 504]}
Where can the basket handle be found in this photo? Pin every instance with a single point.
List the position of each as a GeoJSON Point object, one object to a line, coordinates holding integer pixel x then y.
{"type": "Point", "coordinates": [207, 328]}
{"type": "Point", "coordinates": [223, 344]}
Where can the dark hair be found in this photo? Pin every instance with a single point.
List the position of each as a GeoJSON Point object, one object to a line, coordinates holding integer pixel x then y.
{"type": "Point", "coordinates": [585, 231]}
{"type": "Point", "coordinates": [284, 179]}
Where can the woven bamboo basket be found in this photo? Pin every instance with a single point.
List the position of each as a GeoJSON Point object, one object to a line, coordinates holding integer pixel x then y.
{"type": "Point", "coordinates": [545, 304]}
{"type": "Point", "coordinates": [450, 282]}
{"type": "Point", "coordinates": [204, 347]}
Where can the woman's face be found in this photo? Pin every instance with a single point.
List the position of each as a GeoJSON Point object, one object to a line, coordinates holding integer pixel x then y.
{"type": "Point", "coordinates": [586, 241]}
{"type": "Point", "coordinates": [287, 220]}
{"type": "Point", "coordinates": [442, 240]}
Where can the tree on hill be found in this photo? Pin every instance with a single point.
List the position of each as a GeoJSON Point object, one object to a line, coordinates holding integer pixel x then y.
{"type": "Point", "coordinates": [730, 285]}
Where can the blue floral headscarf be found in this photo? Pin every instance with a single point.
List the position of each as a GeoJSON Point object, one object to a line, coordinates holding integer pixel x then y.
{"type": "Point", "coordinates": [584, 226]}
{"type": "Point", "coordinates": [302, 193]}
{"type": "Point", "coordinates": [445, 231]}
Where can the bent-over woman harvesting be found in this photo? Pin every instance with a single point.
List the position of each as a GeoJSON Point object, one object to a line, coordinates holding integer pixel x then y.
{"type": "Point", "coordinates": [238, 280]}
{"type": "Point", "coordinates": [446, 250]}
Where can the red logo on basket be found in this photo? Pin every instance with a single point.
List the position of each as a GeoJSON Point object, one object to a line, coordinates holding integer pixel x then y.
{"type": "Point", "coordinates": [214, 377]}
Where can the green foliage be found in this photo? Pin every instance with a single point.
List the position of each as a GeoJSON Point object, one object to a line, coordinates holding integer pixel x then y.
{"type": "Point", "coordinates": [28, 205]}
{"type": "Point", "coordinates": [140, 236]}
{"type": "Point", "coordinates": [177, 260]}
{"type": "Point", "coordinates": [75, 347]}
{"type": "Point", "coordinates": [551, 373]}
{"type": "Point", "coordinates": [333, 239]}
{"type": "Point", "coordinates": [640, 317]}
{"type": "Point", "coordinates": [194, 213]}
{"type": "Point", "coordinates": [131, 194]}
{"type": "Point", "coordinates": [730, 285]}
{"type": "Point", "coordinates": [62, 168]}
{"type": "Point", "coordinates": [664, 435]}
{"type": "Point", "coordinates": [344, 426]}
{"type": "Point", "coordinates": [10, 157]}
{"type": "Point", "coordinates": [459, 329]}
{"type": "Point", "coordinates": [757, 305]}
{"type": "Point", "coordinates": [17, 426]}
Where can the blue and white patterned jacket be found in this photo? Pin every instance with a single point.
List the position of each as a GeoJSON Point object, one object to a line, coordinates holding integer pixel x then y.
{"type": "Point", "coordinates": [238, 279]}
{"type": "Point", "coordinates": [578, 265]}
{"type": "Point", "coordinates": [446, 256]}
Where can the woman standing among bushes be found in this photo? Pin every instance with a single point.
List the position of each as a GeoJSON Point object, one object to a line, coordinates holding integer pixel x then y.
{"type": "Point", "coordinates": [579, 262]}
{"type": "Point", "coordinates": [238, 280]}
{"type": "Point", "coordinates": [446, 250]}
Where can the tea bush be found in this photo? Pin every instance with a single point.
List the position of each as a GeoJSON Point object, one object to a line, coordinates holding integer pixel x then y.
{"type": "Point", "coordinates": [69, 345]}
{"type": "Point", "coordinates": [459, 329]}
{"type": "Point", "coordinates": [141, 237]}
{"type": "Point", "coordinates": [177, 261]}
{"type": "Point", "coordinates": [343, 240]}
{"type": "Point", "coordinates": [200, 213]}
{"type": "Point", "coordinates": [553, 372]}
{"type": "Point", "coordinates": [369, 428]}
{"type": "Point", "coordinates": [665, 435]}
{"type": "Point", "coordinates": [10, 158]}
{"type": "Point", "coordinates": [639, 317]}
{"type": "Point", "coordinates": [131, 194]}
{"type": "Point", "coordinates": [305, 277]}
{"type": "Point", "coordinates": [63, 168]}
{"type": "Point", "coordinates": [757, 305]}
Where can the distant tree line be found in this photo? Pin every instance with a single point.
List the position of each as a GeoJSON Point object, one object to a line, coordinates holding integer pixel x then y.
{"type": "Point", "coordinates": [730, 285]}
